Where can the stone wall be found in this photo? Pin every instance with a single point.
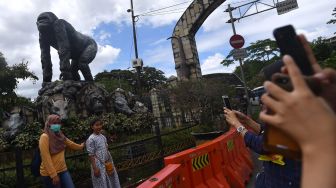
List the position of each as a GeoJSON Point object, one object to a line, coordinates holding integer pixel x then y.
{"type": "Point", "coordinates": [187, 63]}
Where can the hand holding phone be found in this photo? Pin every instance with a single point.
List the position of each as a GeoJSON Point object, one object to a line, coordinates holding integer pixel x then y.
{"type": "Point", "coordinates": [226, 102]}
{"type": "Point", "coordinates": [276, 141]}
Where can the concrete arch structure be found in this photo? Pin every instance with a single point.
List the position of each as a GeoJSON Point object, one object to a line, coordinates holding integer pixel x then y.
{"type": "Point", "coordinates": [183, 41]}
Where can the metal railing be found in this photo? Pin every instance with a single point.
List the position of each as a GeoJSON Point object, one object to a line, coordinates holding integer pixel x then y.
{"type": "Point", "coordinates": [134, 161]}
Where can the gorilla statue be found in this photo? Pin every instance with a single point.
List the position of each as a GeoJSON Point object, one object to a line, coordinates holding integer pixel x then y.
{"type": "Point", "coordinates": [69, 43]}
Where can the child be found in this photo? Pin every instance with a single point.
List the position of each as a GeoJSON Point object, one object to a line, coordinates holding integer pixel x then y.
{"type": "Point", "coordinates": [103, 172]}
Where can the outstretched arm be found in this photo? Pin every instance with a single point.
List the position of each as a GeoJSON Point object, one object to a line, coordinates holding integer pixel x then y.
{"type": "Point", "coordinates": [247, 121]}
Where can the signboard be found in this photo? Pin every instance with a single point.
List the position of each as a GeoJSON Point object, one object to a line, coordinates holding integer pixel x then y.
{"type": "Point", "coordinates": [237, 41]}
{"type": "Point", "coordinates": [239, 53]}
{"type": "Point", "coordinates": [286, 6]}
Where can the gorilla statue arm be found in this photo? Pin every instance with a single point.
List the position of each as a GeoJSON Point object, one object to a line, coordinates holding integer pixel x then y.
{"type": "Point", "coordinates": [64, 49]}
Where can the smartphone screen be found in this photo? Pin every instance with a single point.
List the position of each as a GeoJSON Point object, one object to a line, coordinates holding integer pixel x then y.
{"type": "Point", "coordinates": [226, 102]}
{"type": "Point", "coordinates": [289, 44]}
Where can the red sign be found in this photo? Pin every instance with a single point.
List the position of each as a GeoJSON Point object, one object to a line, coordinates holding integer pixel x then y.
{"type": "Point", "coordinates": [237, 41]}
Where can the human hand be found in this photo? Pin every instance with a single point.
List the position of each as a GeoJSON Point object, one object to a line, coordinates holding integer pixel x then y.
{"type": "Point", "coordinates": [305, 117]}
{"type": "Point", "coordinates": [82, 145]}
{"type": "Point", "coordinates": [96, 172]}
{"type": "Point", "coordinates": [327, 77]}
{"type": "Point", "coordinates": [231, 118]}
{"type": "Point", "coordinates": [55, 180]}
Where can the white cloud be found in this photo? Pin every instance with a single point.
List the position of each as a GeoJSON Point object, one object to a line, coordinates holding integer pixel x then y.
{"type": "Point", "coordinates": [106, 55]}
{"type": "Point", "coordinates": [212, 65]}
{"type": "Point", "coordinates": [160, 55]}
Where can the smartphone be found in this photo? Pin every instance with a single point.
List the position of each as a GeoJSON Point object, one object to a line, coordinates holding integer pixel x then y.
{"type": "Point", "coordinates": [289, 44]}
{"type": "Point", "coordinates": [277, 141]}
{"type": "Point", "coordinates": [226, 102]}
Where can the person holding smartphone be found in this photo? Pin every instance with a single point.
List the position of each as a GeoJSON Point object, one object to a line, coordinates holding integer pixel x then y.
{"type": "Point", "coordinates": [277, 171]}
{"type": "Point", "coordinates": [309, 119]}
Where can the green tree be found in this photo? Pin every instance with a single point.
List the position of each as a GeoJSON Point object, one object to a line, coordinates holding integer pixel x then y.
{"type": "Point", "coordinates": [200, 99]}
{"type": "Point", "coordinates": [9, 75]}
{"type": "Point", "coordinates": [117, 78]}
{"type": "Point", "coordinates": [333, 21]}
{"type": "Point", "coordinates": [9, 78]}
{"type": "Point", "coordinates": [260, 54]}
{"type": "Point", "coordinates": [324, 52]}
{"type": "Point", "coordinates": [150, 78]}
{"type": "Point", "coordinates": [260, 51]}
{"type": "Point", "coordinates": [322, 49]}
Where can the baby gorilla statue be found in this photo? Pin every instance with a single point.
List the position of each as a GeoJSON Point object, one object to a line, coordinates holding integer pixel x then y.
{"type": "Point", "coordinates": [69, 43]}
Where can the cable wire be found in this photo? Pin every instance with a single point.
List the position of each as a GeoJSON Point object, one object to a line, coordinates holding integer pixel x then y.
{"type": "Point", "coordinates": [166, 12]}
{"type": "Point", "coordinates": [164, 8]}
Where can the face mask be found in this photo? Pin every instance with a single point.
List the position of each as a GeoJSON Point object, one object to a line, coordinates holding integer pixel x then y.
{"type": "Point", "coordinates": [55, 128]}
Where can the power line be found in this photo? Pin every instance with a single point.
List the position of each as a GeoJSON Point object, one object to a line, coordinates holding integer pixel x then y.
{"type": "Point", "coordinates": [157, 12]}
{"type": "Point", "coordinates": [164, 8]}
{"type": "Point", "coordinates": [165, 12]}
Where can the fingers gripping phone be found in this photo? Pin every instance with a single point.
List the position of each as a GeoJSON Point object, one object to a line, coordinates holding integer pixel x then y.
{"type": "Point", "coordinates": [276, 141]}
{"type": "Point", "coordinates": [226, 102]}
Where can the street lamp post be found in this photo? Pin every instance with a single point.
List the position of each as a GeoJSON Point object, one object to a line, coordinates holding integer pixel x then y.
{"type": "Point", "coordinates": [138, 69]}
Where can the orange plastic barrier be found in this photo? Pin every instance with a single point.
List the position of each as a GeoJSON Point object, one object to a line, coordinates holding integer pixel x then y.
{"type": "Point", "coordinates": [168, 177]}
{"type": "Point", "coordinates": [197, 167]}
{"type": "Point", "coordinates": [221, 163]}
{"type": "Point", "coordinates": [236, 167]}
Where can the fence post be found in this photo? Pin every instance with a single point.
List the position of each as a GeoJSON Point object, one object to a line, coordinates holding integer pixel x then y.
{"type": "Point", "coordinates": [20, 183]}
{"type": "Point", "coordinates": [159, 142]}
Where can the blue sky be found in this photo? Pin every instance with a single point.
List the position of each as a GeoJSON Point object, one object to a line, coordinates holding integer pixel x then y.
{"type": "Point", "coordinates": [108, 22]}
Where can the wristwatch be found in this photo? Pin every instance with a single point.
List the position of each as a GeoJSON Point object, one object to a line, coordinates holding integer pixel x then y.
{"type": "Point", "coordinates": [240, 129]}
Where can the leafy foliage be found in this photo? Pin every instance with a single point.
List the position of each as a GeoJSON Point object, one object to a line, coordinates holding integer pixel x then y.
{"type": "Point", "coordinates": [9, 75]}
{"type": "Point", "coordinates": [150, 78]}
{"type": "Point", "coordinates": [116, 126]}
{"type": "Point", "coordinates": [325, 52]}
{"type": "Point", "coordinates": [263, 50]}
{"type": "Point", "coordinates": [259, 51]}
{"type": "Point", "coordinates": [333, 21]}
{"type": "Point", "coordinates": [3, 143]}
{"type": "Point", "coordinates": [28, 136]}
{"type": "Point", "coordinates": [116, 79]}
{"type": "Point", "coordinates": [201, 99]}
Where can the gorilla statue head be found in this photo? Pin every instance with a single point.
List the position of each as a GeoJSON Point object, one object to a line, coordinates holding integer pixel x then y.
{"type": "Point", "coordinates": [45, 21]}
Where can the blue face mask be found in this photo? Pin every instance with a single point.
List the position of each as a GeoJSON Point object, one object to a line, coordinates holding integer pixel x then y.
{"type": "Point", "coordinates": [55, 128]}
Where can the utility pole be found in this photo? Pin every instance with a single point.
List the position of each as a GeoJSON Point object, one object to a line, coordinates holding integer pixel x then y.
{"type": "Point", "coordinates": [240, 64]}
{"type": "Point", "coordinates": [138, 69]}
